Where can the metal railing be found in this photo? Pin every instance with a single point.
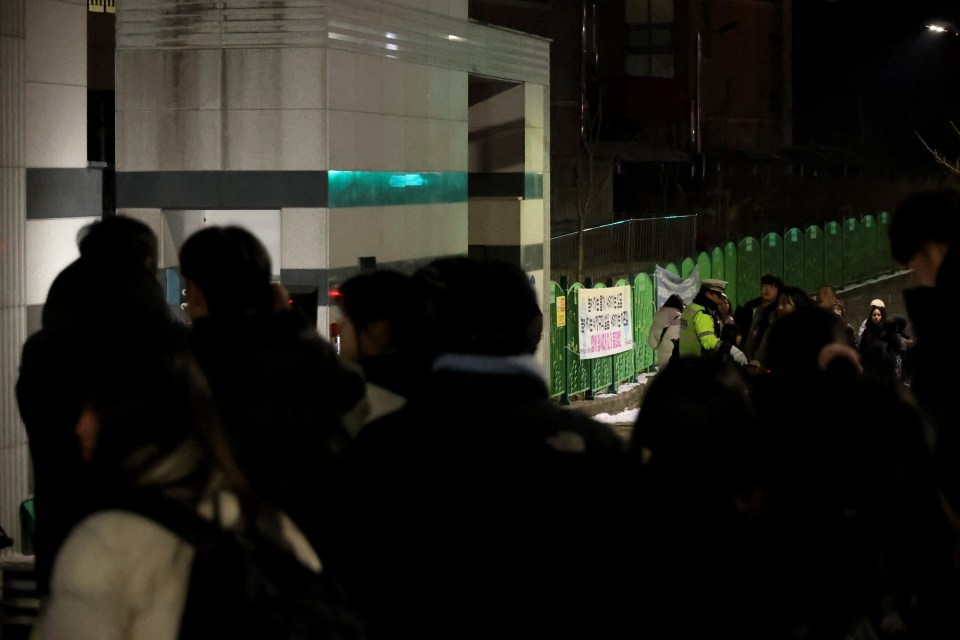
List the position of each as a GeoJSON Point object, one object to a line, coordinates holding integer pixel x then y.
{"type": "Point", "coordinates": [623, 249]}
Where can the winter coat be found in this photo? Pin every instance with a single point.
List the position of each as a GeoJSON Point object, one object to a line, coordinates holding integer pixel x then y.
{"type": "Point", "coordinates": [50, 399]}
{"type": "Point", "coordinates": [664, 330]}
{"type": "Point", "coordinates": [481, 486]}
{"type": "Point", "coordinates": [699, 328]}
{"type": "Point", "coordinates": [878, 349]}
{"type": "Point", "coordinates": [931, 311]}
{"type": "Point", "coordinates": [120, 575]}
{"type": "Point", "coordinates": [283, 396]}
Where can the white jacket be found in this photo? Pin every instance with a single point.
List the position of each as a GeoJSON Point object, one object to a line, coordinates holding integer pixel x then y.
{"type": "Point", "coordinates": [122, 576]}
{"type": "Point", "coordinates": [664, 330]}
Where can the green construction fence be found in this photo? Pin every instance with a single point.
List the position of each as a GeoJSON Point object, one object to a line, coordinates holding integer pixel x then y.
{"type": "Point", "coordinates": [836, 253]}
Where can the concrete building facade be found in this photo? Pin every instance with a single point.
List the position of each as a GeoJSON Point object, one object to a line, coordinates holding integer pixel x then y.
{"type": "Point", "coordinates": [341, 132]}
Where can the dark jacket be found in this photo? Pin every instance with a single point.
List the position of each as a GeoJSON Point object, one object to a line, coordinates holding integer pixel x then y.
{"type": "Point", "coordinates": [282, 392]}
{"type": "Point", "coordinates": [932, 310]}
{"type": "Point", "coordinates": [878, 349]}
{"type": "Point", "coordinates": [54, 365]}
{"type": "Point", "coordinates": [481, 510]}
{"type": "Point", "coordinates": [757, 329]}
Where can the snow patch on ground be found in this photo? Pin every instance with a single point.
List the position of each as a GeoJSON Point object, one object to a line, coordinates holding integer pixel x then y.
{"type": "Point", "coordinates": [624, 417]}
{"type": "Point", "coordinates": [626, 386]}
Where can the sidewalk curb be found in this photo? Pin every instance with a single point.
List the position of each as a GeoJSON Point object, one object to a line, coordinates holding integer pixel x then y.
{"type": "Point", "coordinates": [629, 399]}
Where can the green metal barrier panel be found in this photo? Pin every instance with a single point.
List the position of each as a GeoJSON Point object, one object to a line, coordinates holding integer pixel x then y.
{"type": "Point", "coordinates": [716, 264]}
{"type": "Point", "coordinates": [644, 306]}
{"type": "Point", "coordinates": [686, 267]}
{"type": "Point", "coordinates": [623, 364]}
{"type": "Point", "coordinates": [833, 254]}
{"type": "Point", "coordinates": [793, 242]}
{"type": "Point", "coordinates": [851, 251]}
{"type": "Point", "coordinates": [868, 247]}
{"type": "Point", "coordinates": [813, 259]}
{"type": "Point", "coordinates": [771, 255]}
{"type": "Point", "coordinates": [558, 340]}
{"type": "Point", "coordinates": [672, 268]}
{"type": "Point", "coordinates": [578, 371]}
{"type": "Point", "coordinates": [885, 262]}
{"type": "Point", "coordinates": [601, 379]}
{"type": "Point", "coordinates": [730, 271]}
{"type": "Point", "coordinates": [705, 266]}
{"type": "Point", "coordinates": [748, 270]}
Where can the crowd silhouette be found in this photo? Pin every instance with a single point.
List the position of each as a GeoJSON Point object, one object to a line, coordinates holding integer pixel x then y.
{"type": "Point", "coordinates": [422, 484]}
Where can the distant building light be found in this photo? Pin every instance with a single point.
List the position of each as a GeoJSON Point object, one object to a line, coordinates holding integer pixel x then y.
{"type": "Point", "coordinates": [454, 38]}
{"type": "Point", "coordinates": [391, 36]}
{"type": "Point", "coordinates": [391, 47]}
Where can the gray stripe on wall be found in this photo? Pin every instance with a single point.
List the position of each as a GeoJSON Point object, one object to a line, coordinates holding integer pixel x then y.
{"type": "Point", "coordinates": [505, 185]}
{"type": "Point", "coordinates": [64, 193]}
{"type": "Point", "coordinates": [528, 257]}
{"type": "Point", "coordinates": [495, 185]}
{"type": "Point", "coordinates": [221, 189]}
{"type": "Point", "coordinates": [326, 279]}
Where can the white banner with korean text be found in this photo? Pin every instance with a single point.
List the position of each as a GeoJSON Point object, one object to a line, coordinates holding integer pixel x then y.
{"type": "Point", "coordinates": [605, 321]}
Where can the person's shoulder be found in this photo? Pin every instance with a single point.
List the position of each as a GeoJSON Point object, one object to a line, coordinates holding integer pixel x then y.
{"type": "Point", "coordinates": [109, 543]}
{"type": "Point", "coordinates": [118, 529]}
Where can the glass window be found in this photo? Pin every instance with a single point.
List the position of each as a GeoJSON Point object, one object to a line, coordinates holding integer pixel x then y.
{"type": "Point", "coordinates": [640, 38]}
{"type": "Point", "coordinates": [638, 11]}
{"type": "Point", "coordinates": [661, 66]}
{"type": "Point", "coordinates": [650, 51]}
{"type": "Point", "coordinates": [638, 65]}
{"type": "Point", "coordinates": [661, 11]}
{"type": "Point", "coordinates": [649, 11]}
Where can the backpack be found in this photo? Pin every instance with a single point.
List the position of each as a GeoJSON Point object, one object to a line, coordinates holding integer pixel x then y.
{"type": "Point", "coordinates": [243, 583]}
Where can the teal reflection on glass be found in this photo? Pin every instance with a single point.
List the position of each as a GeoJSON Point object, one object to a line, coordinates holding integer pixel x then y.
{"type": "Point", "coordinates": [406, 180]}
{"type": "Point", "coordinates": [392, 188]}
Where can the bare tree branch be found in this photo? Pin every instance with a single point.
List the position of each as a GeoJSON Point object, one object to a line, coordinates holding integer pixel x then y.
{"type": "Point", "coordinates": [953, 167]}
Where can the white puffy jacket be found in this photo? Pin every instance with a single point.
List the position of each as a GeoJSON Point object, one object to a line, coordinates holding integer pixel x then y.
{"type": "Point", "coordinates": [664, 330]}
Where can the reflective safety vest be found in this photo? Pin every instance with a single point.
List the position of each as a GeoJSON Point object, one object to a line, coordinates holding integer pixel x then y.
{"type": "Point", "coordinates": [698, 332]}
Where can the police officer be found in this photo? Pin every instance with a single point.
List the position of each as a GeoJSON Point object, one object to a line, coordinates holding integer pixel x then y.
{"type": "Point", "coordinates": [700, 326]}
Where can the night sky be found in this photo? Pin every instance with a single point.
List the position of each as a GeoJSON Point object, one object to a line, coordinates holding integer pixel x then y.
{"type": "Point", "coordinates": [867, 74]}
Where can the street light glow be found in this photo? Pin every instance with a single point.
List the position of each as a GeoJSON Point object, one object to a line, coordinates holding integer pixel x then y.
{"type": "Point", "coordinates": [937, 28]}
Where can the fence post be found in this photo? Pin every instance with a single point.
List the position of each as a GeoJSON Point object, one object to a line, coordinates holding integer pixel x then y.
{"type": "Point", "coordinates": [589, 364]}
{"type": "Point", "coordinates": [558, 340]}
